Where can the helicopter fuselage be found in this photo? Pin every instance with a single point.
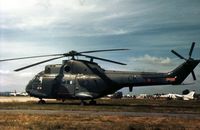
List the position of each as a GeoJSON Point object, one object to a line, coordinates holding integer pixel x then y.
{"type": "Point", "coordinates": [79, 79]}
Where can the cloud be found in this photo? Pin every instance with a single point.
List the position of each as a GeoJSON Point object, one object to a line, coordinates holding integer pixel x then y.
{"type": "Point", "coordinates": [149, 63]}
{"type": "Point", "coordinates": [10, 81]}
{"type": "Point", "coordinates": [152, 60]}
{"type": "Point", "coordinates": [69, 18]}
{"type": "Point", "coordinates": [74, 18]}
{"type": "Point", "coordinates": [23, 74]}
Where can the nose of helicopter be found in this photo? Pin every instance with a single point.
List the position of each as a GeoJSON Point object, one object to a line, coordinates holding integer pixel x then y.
{"type": "Point", "coordinates": [33, 86]}
{"type": "Point", "coordinates": [29, 87]}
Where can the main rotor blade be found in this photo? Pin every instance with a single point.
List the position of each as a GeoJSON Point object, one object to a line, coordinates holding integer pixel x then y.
{"type": "Point", "coordinates": [178, 55]}
{"type": "Point", "coordinates": [191, 49]}
{"type": "Point", "coordinates": [65, 54]}
{"type": "Point", "coordinates": [92, 57]}
{"type": "Point", "coordinates": [38, 63]}
{"type": "Point", "coordinates": [29, 57]}
{"type": "Point", "coordinates": [104, 50]}
{"type": "Point", "coordinates": [193, 75]}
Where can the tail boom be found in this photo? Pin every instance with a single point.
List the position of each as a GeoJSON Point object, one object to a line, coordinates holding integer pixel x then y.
{"type": "Point", "coordinates": [131, 79]}
{"type": "Point", "coordinates": [181, 72]}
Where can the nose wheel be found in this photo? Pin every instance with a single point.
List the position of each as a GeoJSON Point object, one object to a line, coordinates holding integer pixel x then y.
{"type": "Point", "coordinates": [41, 101]}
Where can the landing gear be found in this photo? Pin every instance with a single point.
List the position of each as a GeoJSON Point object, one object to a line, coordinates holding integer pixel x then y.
{"type": "Point", "coordinates": [41, 101]}
{"type": "Point", "coordinates": [92, 102]}
{"type": "Point", "coordinates": [83, 103]}
{"type": "Point", "coordinates": [63, 100]}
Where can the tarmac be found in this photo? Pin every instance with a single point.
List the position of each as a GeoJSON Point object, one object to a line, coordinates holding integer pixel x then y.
{"type": "Point", "coordinates": [47, 112]}
{"type": "Point", "coordinates": [94, 113]}
{"type": "Point", "coordinates": [19, 99]}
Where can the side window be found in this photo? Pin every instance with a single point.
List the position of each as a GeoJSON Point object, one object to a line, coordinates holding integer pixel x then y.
{"type": "Point", "coordinates": [69, 82]}
{"type": "Point", "coordinates": [67, 69]}
{"type": "Point", "coordinates": [47, 70]}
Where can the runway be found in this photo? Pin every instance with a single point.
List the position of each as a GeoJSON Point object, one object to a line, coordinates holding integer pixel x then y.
{"type": "Point", "coordinates": [106, 107]}
{"type": "Point", "coordinates": [26, 113]}
{"type": "Point", "coordinates": [19, 99]}
{"type": "Point", "coordinates": [96, 113]}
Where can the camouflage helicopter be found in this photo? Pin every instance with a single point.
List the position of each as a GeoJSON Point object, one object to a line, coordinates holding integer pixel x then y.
{"type": "Point", "coordinates": [86, 80]}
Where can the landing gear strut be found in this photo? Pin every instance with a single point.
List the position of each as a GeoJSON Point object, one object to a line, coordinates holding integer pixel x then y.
{"type": "Point", "coordinates": [83, 103]}
{"type": "Point", "coordinates": [41, 101]}
{"type": "Point", "coordinates": [92, 102]}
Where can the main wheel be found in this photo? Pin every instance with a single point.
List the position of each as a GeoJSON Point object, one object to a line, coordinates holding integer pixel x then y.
{"type": "Point", "coordinates": [41, 101]}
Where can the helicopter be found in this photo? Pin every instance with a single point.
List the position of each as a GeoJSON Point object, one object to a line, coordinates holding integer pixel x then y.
{"type": "Point", "coordinates": [86, 80]}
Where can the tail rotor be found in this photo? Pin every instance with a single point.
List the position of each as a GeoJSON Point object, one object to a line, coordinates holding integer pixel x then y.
{"type": "Point", "coordinates": [191, 49]}
{"type": "Point", "coordinates": [187, 59]}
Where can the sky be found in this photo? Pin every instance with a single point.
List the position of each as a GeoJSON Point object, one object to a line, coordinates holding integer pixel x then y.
{"type": "Point", "coordinates": [150, 29]}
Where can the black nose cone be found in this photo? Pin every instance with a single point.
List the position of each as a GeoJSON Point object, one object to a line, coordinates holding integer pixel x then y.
{"type": "Point", "coordinates": [29, 87]}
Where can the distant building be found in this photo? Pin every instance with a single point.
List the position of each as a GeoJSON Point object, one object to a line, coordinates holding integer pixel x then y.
{"type": "Point", "coordinates": [141, 96]}
{"type": "Point", "coordinates": [4, 93]}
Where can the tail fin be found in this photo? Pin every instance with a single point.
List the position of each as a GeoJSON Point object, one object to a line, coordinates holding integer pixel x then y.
{"type": "Point", "coordinates": [191, 94]}
{"type": "Point", "coordinates": [182, 71]}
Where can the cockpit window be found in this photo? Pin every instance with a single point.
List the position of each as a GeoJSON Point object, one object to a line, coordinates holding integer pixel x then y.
{"type": "Point", "coordinates": [47, 70]}
{"type": "Point", "coordinates": [67, 68]}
